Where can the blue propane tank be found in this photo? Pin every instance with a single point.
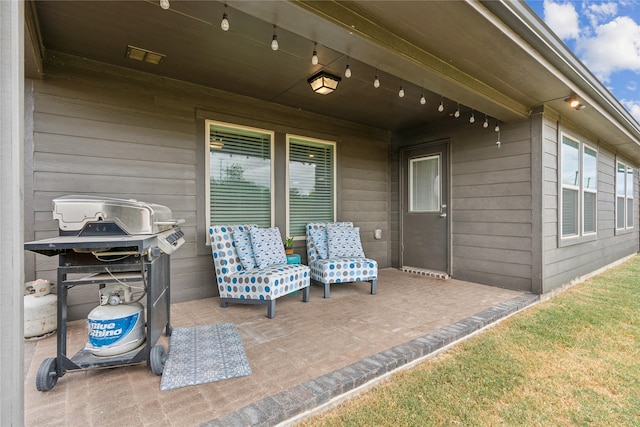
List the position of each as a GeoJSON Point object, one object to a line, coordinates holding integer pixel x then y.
{"type": "Point", "coordinates": [115, 329]}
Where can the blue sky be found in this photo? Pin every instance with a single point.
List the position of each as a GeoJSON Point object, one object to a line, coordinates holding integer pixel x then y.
{"type": "Point", "coordinates": [605, 35]}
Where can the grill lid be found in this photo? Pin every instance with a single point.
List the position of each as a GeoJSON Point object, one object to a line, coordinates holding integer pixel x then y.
{"type": "Point", "coordinates": [74, 212]}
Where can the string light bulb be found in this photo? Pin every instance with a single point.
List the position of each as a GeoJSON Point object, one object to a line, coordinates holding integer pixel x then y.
{"type": "Point", "coordinates": [165, 4]}
{"type": "Point", "coordinates": [224, 24]}
{"type": "Point", "coordinates": [376, 82]}
{"type": "Point", "coordinates": [497, 128]}
{"type": "Point", "coordinates": [472, 119]}
{"type": "Point", "coordinates": [441, 106]}
{"type": "Point", "coordinates": [486, 122]}
{"type": "Point", "coordinates": [401, 92]}
{"type": "Point", "coordinates": [347, 71]}
{"type": "Point", "coordinates": [423, 100]}
{"type": "Point", "coordinates": [274, 40]}
{"type": "Point", "coordinates": [314, 56]}
{"type": "Point", "coordinates": [457, 113]}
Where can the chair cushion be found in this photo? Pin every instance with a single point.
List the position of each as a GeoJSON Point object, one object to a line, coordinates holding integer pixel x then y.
{"type": "Point", "coordinates": [242, 241]}
{"type": "Point", "coordinates": [268, 248]}
{"type": "Point", "coordinates": [344, 242]}
{"type": "Point", "coordinates": [342, 270]}
{"type": "Point", "coordinates": [266, 283]}
{"type": "Point", "coordinates": [319, 236]}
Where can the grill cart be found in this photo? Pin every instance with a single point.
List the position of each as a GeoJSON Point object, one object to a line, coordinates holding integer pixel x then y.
{"type": "Point", "coordinates": [113, 244]}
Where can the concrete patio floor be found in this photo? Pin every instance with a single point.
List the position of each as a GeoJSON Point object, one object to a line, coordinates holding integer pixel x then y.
{"type": "Point", "coordinates": [307, 355]}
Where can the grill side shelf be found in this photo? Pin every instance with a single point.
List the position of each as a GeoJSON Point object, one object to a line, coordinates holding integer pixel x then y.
{"type": "Point", "coordinates": [61, 244]}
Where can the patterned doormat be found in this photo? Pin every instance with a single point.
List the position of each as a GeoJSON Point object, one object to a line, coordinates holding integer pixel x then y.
{"type": "Point", "coordinates": [204, 354]}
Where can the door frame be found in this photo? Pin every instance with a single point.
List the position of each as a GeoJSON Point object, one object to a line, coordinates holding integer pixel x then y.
{"type": "Point", "coordinates": [402, 171]}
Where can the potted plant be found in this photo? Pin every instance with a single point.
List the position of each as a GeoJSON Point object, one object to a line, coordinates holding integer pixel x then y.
{"type": "Point", "coordinates": [288, 245]}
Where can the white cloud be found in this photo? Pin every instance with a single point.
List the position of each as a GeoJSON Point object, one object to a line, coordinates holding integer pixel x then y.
{"type": "Point", "coordinates": [615, 46]}
{"type": "Point", "coordinates": [633, 107]}
{"type": "Point", "coordinates": [632, 85]}
{"type": "Point", "coordinates": [562, 19]}
{"type": "Point", "coordinates": [596, 13]}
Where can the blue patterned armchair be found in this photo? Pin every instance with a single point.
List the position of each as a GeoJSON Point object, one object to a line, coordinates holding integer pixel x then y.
{"type": "Point", "coordinates": [335, 255]}
{"type": "Point", "coordinates": [251, 266]}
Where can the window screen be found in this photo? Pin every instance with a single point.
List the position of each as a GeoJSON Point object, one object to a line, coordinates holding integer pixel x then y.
{"type": "Point", "coordinates": [311, 183]}
{"type": "Point", "coordinates": [624, 196]}
{"type": "Point", "coordinates": [579, 178]}
{"type": "Point", "coordinates": [239, 175]}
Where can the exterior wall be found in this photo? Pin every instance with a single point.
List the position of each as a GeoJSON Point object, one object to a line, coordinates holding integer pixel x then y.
{"type": "Point", "coordinates": [563, 263]}
{"type": "Point", "coordinates": [113, 132]}
{"type": "Point", "coordinates": [491, 200]}
{"type": "Point", "coordinates": [504, 205]}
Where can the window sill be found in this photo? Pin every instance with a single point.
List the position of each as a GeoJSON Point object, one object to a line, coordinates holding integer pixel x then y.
{"type": "Point", "coordinates": [623, 231]}
{"type": "Point", "coordinates": [577, 240]}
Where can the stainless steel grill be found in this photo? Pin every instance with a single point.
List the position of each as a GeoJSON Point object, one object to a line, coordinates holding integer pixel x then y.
{"type": "Point", "coordinates": [84, 216]}
{"type": "Point", "coordinates": [104, 241]}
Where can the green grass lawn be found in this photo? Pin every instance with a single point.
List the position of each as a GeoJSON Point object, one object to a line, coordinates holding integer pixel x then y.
{"type": "Point", "coordinates": [572, 360]}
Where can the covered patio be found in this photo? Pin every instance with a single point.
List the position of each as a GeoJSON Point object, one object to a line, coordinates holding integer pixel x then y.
{"type": "Point", "coordinates": [480, 88]}
{"type": "Point", "coordinates": [331, 347]}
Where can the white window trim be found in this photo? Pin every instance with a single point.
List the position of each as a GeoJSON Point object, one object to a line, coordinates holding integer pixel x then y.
{"type": "Point", "coordinates": [411, 165]}
{"type": "Point", "coordinates": [626, 228]}
{"type": "Point", "coordinates": [581, 237]}
{"type": "Point", "coordinates": [207, 124]}
{"type": "Point", "coordinates": [289, 137]}
{"type": "Point", "coordinates": [584, 190]}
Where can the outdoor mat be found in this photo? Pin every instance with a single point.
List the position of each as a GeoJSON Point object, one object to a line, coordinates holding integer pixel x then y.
{"type": "Point", "coordinates": [204, 354]}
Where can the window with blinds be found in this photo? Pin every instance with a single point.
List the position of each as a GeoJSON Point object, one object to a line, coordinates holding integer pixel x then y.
{"type": "Point", "coordinates": [570, 186]}
{"type": "Point", "coordinates": [579, 170]}
{"type": "Point", "coordinates": [589, 189]}
{"type": "Point", "coordinates": [311, 180]}
{"type": "Point", "coordinates": [624, 196]}
{"type": "Point", "coordinates": [240, 174]}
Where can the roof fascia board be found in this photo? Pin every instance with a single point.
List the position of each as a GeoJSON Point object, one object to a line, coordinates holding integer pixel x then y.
{"type": "Point", "coordinates": [520, 22]}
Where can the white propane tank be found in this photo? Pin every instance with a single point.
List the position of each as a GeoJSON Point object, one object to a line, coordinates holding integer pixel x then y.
{"type": "Point", "coordinates": [40, 310]}
{"type": "Point", "coordinates": [115, 329]}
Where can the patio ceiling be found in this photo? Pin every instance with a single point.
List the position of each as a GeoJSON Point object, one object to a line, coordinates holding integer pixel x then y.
{"type": "Point", "coordinates": [456, 50]}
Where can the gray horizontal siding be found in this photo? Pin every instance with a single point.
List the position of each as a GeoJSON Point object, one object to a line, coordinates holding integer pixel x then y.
{"type": "Point", "coordinates": [111, 132]}
{"type": "Point", "coordinates": [566, 263]}
{"type": "Point", "coordinates": [491, 200]}
{"type": "Point", "coordinates": [491, 209]}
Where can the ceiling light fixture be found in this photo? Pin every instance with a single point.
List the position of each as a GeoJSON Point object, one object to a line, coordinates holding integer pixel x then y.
{"type": "Point", "coordinates": [401, 92]}
{"type": "Point", "coordinates": [498, 143]}
{"type": "Point", "coordinates": [486, 122]}
{"type": "Point", "coordinates": [314, 56]}
{"type": "Point", "coordinates": [472, 119]}
{"type": "Point", "coordinates": [497, 128]}
{"type": "Point", "coordinates": [274, 40]}
{"type": "Point", "coordinates": [457, 113]}
{"type": "Point", "coordinates": [423, 100]}
{"type": "Point", "coordinates": [323, 82]}
{"type": "Point", "coordinates": [140, 54]}
{"type": "Point", "coordinates": [574, 102]}
{"type": "Point", "coordinates": [165, 4]}
{"type": "Point", "coordinates": [347, 71]}
{"type": "Point", "coordinates": [376, 82]}
{"type": "Point", "coordinates": [441, 106]}
{"type": "Point", "coordinates": [224, 24]}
